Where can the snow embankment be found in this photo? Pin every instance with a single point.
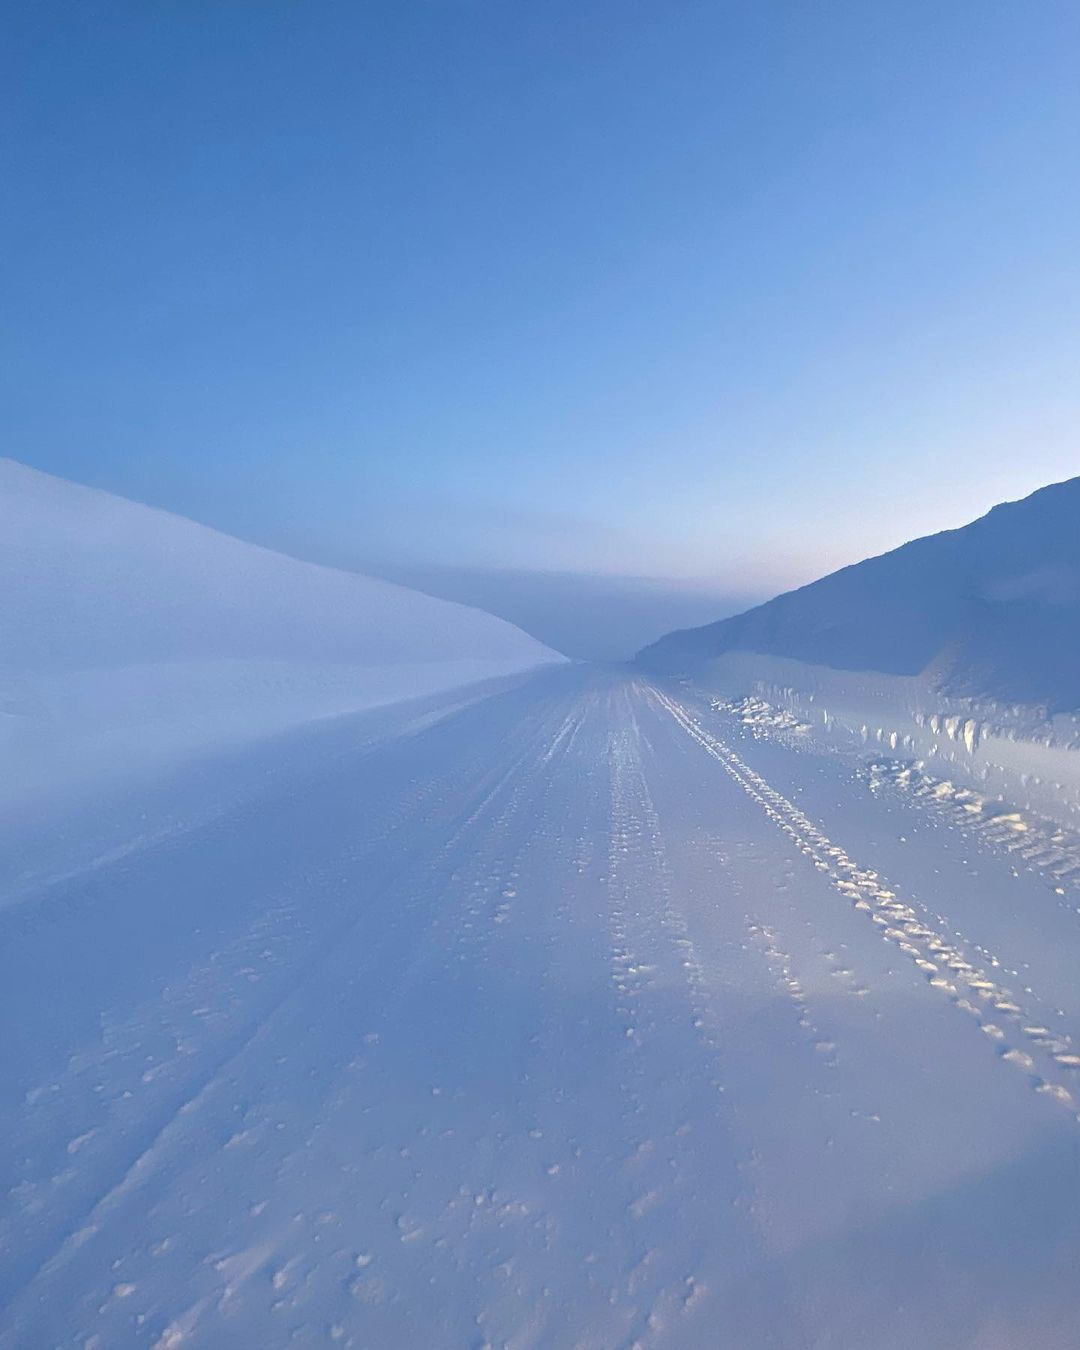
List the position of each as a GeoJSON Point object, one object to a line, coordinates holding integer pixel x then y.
{"type": "Point", "coordinates": [986, 752]}
{"type": "Point", "coordinates": [131, 638]}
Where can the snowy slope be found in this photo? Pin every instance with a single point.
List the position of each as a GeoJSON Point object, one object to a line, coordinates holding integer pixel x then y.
{"type": "Point", "coordinates": [991, 611]}
{"type": "Point", "coordinates": [583, 1018]}
{"type": "Point", "coordinates": [129, 636]}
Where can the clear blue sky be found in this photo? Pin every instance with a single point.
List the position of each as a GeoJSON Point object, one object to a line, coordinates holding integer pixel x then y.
{"type": "Point", "coordinates": [743, 291]}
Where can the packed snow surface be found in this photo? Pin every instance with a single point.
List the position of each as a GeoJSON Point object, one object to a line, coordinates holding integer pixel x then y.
{"type": "Point", "coordinates": [130, 638]}
{"type": "Point", "coordinates": [598, 1011]}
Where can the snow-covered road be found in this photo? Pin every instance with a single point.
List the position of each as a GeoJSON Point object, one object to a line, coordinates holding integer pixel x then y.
{"type": "Point", "coordinates": [579, 1017]}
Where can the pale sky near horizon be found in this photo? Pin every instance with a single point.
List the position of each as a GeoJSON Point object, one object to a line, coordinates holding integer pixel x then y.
{"type": "Point", "coordinates": [725, 291]}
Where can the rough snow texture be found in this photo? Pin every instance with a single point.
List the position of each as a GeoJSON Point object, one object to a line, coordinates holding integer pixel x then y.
{"type": "Point", "coordinates": [588, 1015]}
{"type": "Point", "coordinates": [989, 611]}
{"type": "Point", "coordinates": [1013, 754]}
{"type": "Point", "coordinates": [129, 637]}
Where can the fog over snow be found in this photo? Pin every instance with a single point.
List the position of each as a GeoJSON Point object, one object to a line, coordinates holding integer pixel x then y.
{"type": "Point", "coordinates": [588, 616]}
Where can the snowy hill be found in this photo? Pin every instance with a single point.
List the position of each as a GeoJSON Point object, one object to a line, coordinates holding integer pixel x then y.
{"type": "Point", "coordinates": [991, 610]}
{"type": "Point", "coordinates": [128, 634]}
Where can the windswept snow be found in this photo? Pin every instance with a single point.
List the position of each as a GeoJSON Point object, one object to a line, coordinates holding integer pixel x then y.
{"type": "Point", "coordinates": [130, 637]}
{"type": "Point", "coordinates": [592, 1013]}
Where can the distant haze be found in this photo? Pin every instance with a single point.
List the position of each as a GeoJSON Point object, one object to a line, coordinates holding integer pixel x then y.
{"type": "Point", "coordinates": [584, 615]}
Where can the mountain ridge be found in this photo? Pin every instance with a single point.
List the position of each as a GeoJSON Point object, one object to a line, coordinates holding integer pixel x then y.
{"type": "Point", "coordinates": [989, 609]}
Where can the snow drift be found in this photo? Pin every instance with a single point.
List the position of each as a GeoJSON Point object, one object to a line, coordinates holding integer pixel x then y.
{"type": "Point", "coordinates": [129, 636]}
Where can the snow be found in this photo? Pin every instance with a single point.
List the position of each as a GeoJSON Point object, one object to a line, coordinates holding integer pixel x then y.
{"type": "Point", "coordinates": [990, 611]}
{"type": "Point", "coordinates": [130, 638]}
{"type": "Point", "coordinates": [1006, 753]}
{"type": "Point", "coordinates": [370, 978]}
{"type": "Point", "coordinates": [590, 1012]}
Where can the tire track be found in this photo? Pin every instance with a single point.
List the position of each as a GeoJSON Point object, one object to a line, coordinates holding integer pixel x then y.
{"type": "Point", "coordinates": [148, 1144]}
{"type": "Point", "coordinates": [653, 952]}
{"type": "Point", "coordinates": [1023, 1036]}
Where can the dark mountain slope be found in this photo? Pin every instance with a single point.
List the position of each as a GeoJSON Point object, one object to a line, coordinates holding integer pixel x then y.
{"type": "Point", "coordinates": [992, 609]}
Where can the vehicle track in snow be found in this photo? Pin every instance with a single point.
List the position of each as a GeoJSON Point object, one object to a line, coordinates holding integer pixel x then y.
{"type": "Point", "coordinates": [662, 997]}
{"type": "Point", "coordinates": [558, 1038]}
{"type": "Point", "coordinates": [1020, 1029]}
{"type": "Point", "coordinates": [130, 1138]}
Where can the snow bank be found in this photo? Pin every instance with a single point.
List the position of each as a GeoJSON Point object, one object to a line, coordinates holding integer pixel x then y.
{"type": "Point", "coordinates": [130, 637]}
{"type": "Point", "coordinates": [1007, 753]}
